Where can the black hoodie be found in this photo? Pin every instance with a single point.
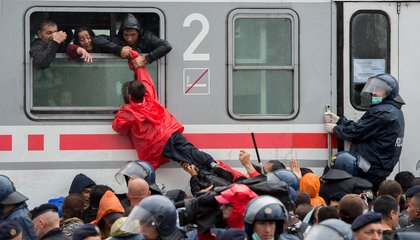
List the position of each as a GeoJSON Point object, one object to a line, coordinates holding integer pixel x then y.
{"type": "Point", "coordinates": [80, 182]}
{"type": "Point", "coordinates": [147, 43]}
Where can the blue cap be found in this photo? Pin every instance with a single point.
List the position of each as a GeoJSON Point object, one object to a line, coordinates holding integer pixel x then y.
{"type": "Point", "coordinates": [412, 191]}
{"type": "Point", "coordinates": [365, 219]}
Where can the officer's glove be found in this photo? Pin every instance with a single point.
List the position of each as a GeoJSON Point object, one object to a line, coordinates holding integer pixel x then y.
{"type": "Point", "coordinates": [329, 127]}
{"type": "Point", "coordinates": [331, 117]}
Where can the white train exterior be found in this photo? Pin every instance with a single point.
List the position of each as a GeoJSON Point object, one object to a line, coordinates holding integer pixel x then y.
{"type": "Point", "coordinates": [237, 66]}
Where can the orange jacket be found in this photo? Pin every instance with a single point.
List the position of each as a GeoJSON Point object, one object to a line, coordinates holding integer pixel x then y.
{"type": "Point", "coordinates": [109, 204]}
{"type": "Point", "coordinates": [310, 183]}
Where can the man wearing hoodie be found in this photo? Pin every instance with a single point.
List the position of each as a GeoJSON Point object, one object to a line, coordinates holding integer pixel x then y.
{"type": "Point", "coordinates": [310, 183]}
{"type": "Point", "coordinates": [109, 211]}
{"type": "Point", "coordinates": [233, 202]}
{"type": "Point", "coordinates": [81, 185]}
{"type": "Point", "coordinates": [131, 36]}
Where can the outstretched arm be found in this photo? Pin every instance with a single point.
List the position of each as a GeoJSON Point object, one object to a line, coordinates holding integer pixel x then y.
{"type": "Point", "coordinates": [245, 159]}
{"type": "Point", "coordinates": [143, 76]}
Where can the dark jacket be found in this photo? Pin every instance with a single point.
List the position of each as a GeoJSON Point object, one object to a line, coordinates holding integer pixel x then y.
{"type": "Point", "coordinates": [336, 180]}
{"type": "Point", "coordinates": [148, 43]}
{"type": "Point", "coordinates": [21, 214]}
{"type": "Point", "coordinates": [413, 228]}
{"type": "Point", "coordinates": [43, 54]}
{"type": "Point", "coordinates": [377, 136]}
{"type": "Point", "coordinates": [389, 235]}
{"type": "Point", "coordinates": [55, 234]}
{"type": "Point", "coordinates": [204, 179]}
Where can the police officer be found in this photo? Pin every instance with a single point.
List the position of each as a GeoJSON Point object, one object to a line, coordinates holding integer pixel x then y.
{"type": "Point", "coordinates": [266, 218]}
{"type": "Point", "coordinates": [138, 169]}
{"type": "Point", "coordinates": [13, 207]}
{"type": "Point", "coordinates": [155, 217]}
{"type": "Point", "coordinates": [377, 137]}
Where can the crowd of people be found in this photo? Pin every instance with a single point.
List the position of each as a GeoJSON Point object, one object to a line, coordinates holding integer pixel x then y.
{"type": "Point", "coordinates": [351, 200]}
{"type": "Point", "coordinates": [276, 203]}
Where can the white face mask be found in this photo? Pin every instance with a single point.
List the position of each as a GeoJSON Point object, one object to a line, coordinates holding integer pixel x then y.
{"type": "Point", "coordinates": [376, 100]}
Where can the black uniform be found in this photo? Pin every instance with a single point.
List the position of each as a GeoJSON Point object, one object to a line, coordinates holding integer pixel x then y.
{"type": "Point", "coordinates": [377, 136]}
{"type": "Point", "coordinates": [336, 180]}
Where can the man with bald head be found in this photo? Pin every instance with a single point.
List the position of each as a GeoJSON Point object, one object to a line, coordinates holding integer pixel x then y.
{"type": "Point", "coordinates": [47, 222]}
{"type": "Point", "coordinates": [138, 189]}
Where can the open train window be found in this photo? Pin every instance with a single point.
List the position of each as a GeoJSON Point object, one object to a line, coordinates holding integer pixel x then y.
{"type": "Point", "coordinates": [70, 89]}
{"type": "Point", "coordinates": [263, 63]}
{"type": "Point", "coordinates": [369, 50]}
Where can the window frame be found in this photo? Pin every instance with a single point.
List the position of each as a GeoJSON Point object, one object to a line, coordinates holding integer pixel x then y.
{"type": "Point", "coordinates": [294, 67]}
{"type": "Point", "coordinates": [82, 113]}
{"type": "Point", "coordinates": [351, 57]}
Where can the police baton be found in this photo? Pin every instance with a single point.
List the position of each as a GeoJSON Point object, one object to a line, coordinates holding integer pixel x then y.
{"type": "Point", "coordinates": [256, 150]}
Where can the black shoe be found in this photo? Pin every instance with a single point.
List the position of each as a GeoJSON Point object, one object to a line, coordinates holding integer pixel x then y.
{"type": "Point", "coordinates": [223, 173]}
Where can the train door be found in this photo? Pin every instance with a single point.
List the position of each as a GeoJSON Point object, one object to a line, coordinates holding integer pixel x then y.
{"type": "Point", "coordinates": [381, 37]}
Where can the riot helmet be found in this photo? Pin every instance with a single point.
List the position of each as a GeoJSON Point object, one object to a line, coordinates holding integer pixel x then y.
{"type": "Point", "coordinates": [383, 84]}
{"type": "Point", "coordinates": [8, 193]}
{"type": "Point", "coordinates": [350, 162]}
{"type": "Point", "coordinates": [138, 169]}
{"type": "Point", "coordinates": [265, 208]}
{"type": "Point", "coordinates": [154, 211]}
{"type": "Point", "coordinates": [335, 229]}
{"type": "Point", "coordinates": [346, 161]}
{"type": "Point", "coordinates": [286, 176]}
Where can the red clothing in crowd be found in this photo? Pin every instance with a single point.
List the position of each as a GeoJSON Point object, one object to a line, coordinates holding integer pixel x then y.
{"type": "Point", "coordinates": [148, 124]}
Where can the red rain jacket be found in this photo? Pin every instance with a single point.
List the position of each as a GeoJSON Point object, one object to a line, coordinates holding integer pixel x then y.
{"type": "Point", "coordinates": [148, 124]}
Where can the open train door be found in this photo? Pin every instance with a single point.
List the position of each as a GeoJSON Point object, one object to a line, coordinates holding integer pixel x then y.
{"type": "Point", "coordinates": [382, 37]}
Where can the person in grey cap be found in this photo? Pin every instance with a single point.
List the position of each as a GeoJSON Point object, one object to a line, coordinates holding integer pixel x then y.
{"type": "Point", "coordinates": [13, 207]}
{"type": "Point", "coordinates": [367, 227]}
{"type": "Point", "coordinates": [47, 222]}
{"type": "Point", "coordinates": [10, 230]}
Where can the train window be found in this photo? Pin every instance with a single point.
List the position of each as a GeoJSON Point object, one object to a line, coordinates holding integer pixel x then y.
{"type": "Point", "coordinates": [369, 50]}
{"type": "Point", "coordinates": [70, 89]}
{"type": "Point", "coordinates": [263, 69]}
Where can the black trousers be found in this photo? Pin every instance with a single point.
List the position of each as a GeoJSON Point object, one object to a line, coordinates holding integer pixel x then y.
{"type": "Point", "coordinates": [179, 149]}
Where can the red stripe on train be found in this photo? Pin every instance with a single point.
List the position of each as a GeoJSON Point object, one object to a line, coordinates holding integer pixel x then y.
{"type": "Point", "coordinates": [5, 142]}
{"type": "Point", "coordinates": [35, 142]}
{"type": "Point", "coordinates": [202, 140]}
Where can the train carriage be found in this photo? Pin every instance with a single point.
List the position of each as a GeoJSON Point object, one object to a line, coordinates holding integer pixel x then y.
{"type": "Point", "coordinates": [268, 67]}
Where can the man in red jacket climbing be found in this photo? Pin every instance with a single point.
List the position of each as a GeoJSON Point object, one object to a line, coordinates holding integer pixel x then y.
{"type": "Point", "coordinates": [154, 131]}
